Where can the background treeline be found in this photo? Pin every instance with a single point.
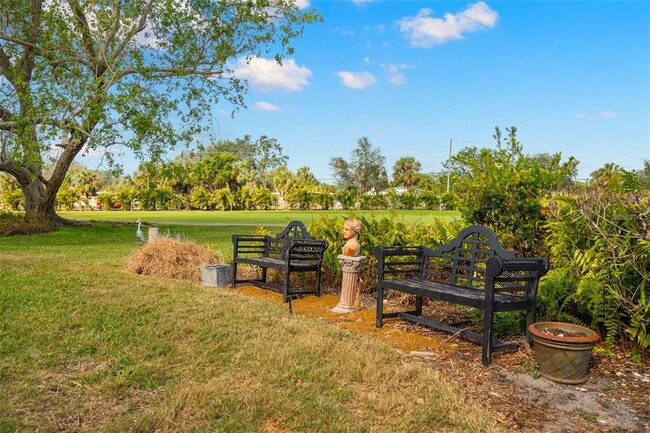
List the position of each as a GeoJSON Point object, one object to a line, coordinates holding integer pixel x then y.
{"type": "Point", "coordinates": [247, 175]}
{"type": "Point", "coordinates": [252, 175]}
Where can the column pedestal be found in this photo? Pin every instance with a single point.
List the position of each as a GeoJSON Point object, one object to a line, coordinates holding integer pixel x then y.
{"type": "Point", "coordinates": [351, 267]}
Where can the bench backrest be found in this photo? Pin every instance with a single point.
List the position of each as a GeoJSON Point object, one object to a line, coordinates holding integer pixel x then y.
{"type": "Point", "coordinates": [463, 261]}
{"type": "Point", "coordinates": [294, 230]}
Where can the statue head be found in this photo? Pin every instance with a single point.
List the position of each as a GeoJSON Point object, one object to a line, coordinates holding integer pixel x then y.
{"type": "Point", "coordinates": [351, 228]}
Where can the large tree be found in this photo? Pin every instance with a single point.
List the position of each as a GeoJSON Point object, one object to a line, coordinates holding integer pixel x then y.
{"type": "Point", "coordinates": [364, 171]}
{"type": "Point", "coordinates": [83, 76]}
{"type": "Point", "coordinates": [258, 159]}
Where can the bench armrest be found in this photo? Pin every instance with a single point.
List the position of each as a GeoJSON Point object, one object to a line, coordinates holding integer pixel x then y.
{"type": "Point", "coordinates": [514, 275]}
{"type": "Point", "coordinates": [397, 260]}
{"type": "Point", "coordinates": [248, 245]}
{"type": "Point", "coordinates": [537, 265]}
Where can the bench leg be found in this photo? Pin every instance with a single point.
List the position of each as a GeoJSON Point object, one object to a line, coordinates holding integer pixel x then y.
{"type": "Point", "coordinates": [418, 305]}
{"type": "Point", "coordinates": [285, 286]}
{"type": "Point", "coordinates": [488, 325]}
{"type": "Point", "coordinates": [530, 319]}
{"type": "Point", "coordinates": [263, 278]}
{"type": "Point", "coordinates": [379, 320]}
{"type": "Point", "coordinates": [318, 271]}
{"type": "Point", "coordinates": [234, 273]}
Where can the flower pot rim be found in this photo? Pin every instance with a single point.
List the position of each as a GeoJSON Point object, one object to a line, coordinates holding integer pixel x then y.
{"type": "Point", "coordinates": [536, 329]}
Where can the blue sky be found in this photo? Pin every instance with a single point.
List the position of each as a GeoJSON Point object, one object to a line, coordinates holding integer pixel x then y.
{"type": "Point", "coordinates": [573, 77]}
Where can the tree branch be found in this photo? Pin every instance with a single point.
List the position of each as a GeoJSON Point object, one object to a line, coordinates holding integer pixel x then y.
{"type": "Point", "coordinates": [31, 49]}
{"type": "Point", "coordinates": [81, 23]}
{"type": "Point", "coordinates": [142, 24]}
{"type": "Point", "coordinates": [110, 37]}
{"type": "Point", "coordinates": [169, 72]}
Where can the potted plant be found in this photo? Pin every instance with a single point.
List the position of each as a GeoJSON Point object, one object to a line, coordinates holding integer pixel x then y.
{"type": "Point", "coordinates": [563, 350]}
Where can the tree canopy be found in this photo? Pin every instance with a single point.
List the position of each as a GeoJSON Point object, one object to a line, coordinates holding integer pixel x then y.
{"type": "Point", "coordinates": [86, 76]}
{"type": "Point", "coordinates": [364, 171]}
{"type": "Point", "coordinates": [406, 171]}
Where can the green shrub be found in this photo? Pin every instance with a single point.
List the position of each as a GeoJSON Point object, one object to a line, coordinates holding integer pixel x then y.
{"type": "Point", "coordinates": [503, 189]}
{"type": "Point", "coordinates": [505, 323]}
{"type": "Point", "coordinates": [381, 231]}
{"type": "Point", "coordinates": [600, 240]}
{"type": "Point", "coordinates": [556, 297]}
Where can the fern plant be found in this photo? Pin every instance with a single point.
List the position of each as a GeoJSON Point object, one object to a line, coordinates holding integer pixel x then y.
{"type": "Point", "coordinates": [601, 238]}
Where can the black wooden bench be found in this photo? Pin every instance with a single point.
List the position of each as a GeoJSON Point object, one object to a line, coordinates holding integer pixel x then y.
{"type": "Point", "coordinates": [473, 270]}
{"type": "Point", "coordinates": [293, 250]}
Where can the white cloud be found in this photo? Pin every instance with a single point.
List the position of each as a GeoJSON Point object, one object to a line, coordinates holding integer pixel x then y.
{"type": "Point", "coordinates": [268, 75]}
{"type": "Point", "coordinates": [394, 71]}
{"type": "Point", "coordinates": [361, 2]}
{"type": "Point", "coordinates": [266, 106]}
{"type": "Point", "coordinates": [302, 4]}
{"type": "Point", "coordinates": [600, 116]}
{"type": "Point", "coordinates": [423, 30]}
{"type": "Point", "coordinates": [356, 80]}
{"type": "Point", "coordinates": [344, 31]}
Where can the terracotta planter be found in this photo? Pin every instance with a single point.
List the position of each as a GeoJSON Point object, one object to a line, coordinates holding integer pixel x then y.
{"type": "Point", "coordinates": [563, 356]}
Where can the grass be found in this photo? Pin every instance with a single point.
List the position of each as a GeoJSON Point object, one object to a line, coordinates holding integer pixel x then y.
{"type": "Point", "coordinates": [588, 416]}
{"type": "Point", "coordinates": [247, 217]}
{"type": "Point", "coordinates": [85, 346]}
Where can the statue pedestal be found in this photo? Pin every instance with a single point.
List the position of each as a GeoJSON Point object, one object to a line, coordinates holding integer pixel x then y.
{"type": "Point", "coordinates": [351, 267]}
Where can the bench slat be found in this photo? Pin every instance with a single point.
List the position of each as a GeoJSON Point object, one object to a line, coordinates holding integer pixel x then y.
{"type": "Point", "coordinates": [456, 294]}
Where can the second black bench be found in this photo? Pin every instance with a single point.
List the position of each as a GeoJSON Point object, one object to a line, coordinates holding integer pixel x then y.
{"type": "Point", "coordinates": [473, 270]}
{"type": "Point", "coordinates": [291, 251]}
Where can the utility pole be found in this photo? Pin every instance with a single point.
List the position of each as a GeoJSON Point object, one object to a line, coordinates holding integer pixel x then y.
{"type": "Point", "coordinates": [448, 165]}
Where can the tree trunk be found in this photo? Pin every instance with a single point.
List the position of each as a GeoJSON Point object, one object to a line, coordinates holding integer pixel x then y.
{"type": "Point", "coordinates": [39, 203]}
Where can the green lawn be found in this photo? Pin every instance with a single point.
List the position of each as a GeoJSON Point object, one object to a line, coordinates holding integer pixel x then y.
{"type": "Point", "coordinates": [247, 217]}
{"type": "Point", "coordinates": [86, 347]}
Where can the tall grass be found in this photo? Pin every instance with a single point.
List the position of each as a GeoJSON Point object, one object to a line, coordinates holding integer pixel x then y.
{"type": "Point", "coordinates": [85, 346]}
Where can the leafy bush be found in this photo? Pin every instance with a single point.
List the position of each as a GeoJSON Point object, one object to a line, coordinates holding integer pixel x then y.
{"type": "Point", "coordinates": [12, 224]}
{"type": "Point", "coordinates": [383, 231]}
{"type": "Point", "coordinates": [556, 297]}
{"type": "Point", "coordinates": [505, 322]}
{"type": "Point", "coordinates": [106, 200]}
{"type": "Point", "coordinates": [600, 239]}
{"type": "Point", "coordinates": [503, 188]}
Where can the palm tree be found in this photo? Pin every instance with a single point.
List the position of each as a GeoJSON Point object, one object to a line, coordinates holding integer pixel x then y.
{"type": "Point", "coordinates": [405, 172]}
{"type": "Point", "coordinates": [283, 178]}
{"type": "Point", "coordinates": [609, 175]}
{"type": "Point", "coordinates": [224, 198]}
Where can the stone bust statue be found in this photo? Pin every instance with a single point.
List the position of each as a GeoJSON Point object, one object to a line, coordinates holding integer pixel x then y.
{"type": "Point", "coordinates": [351, 228]}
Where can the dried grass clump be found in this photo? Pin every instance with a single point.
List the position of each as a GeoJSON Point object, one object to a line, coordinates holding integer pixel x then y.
{"type": "Point", "coordinates": [12, 224]}
{"type": "Point", "coordinates": [171, 258]}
